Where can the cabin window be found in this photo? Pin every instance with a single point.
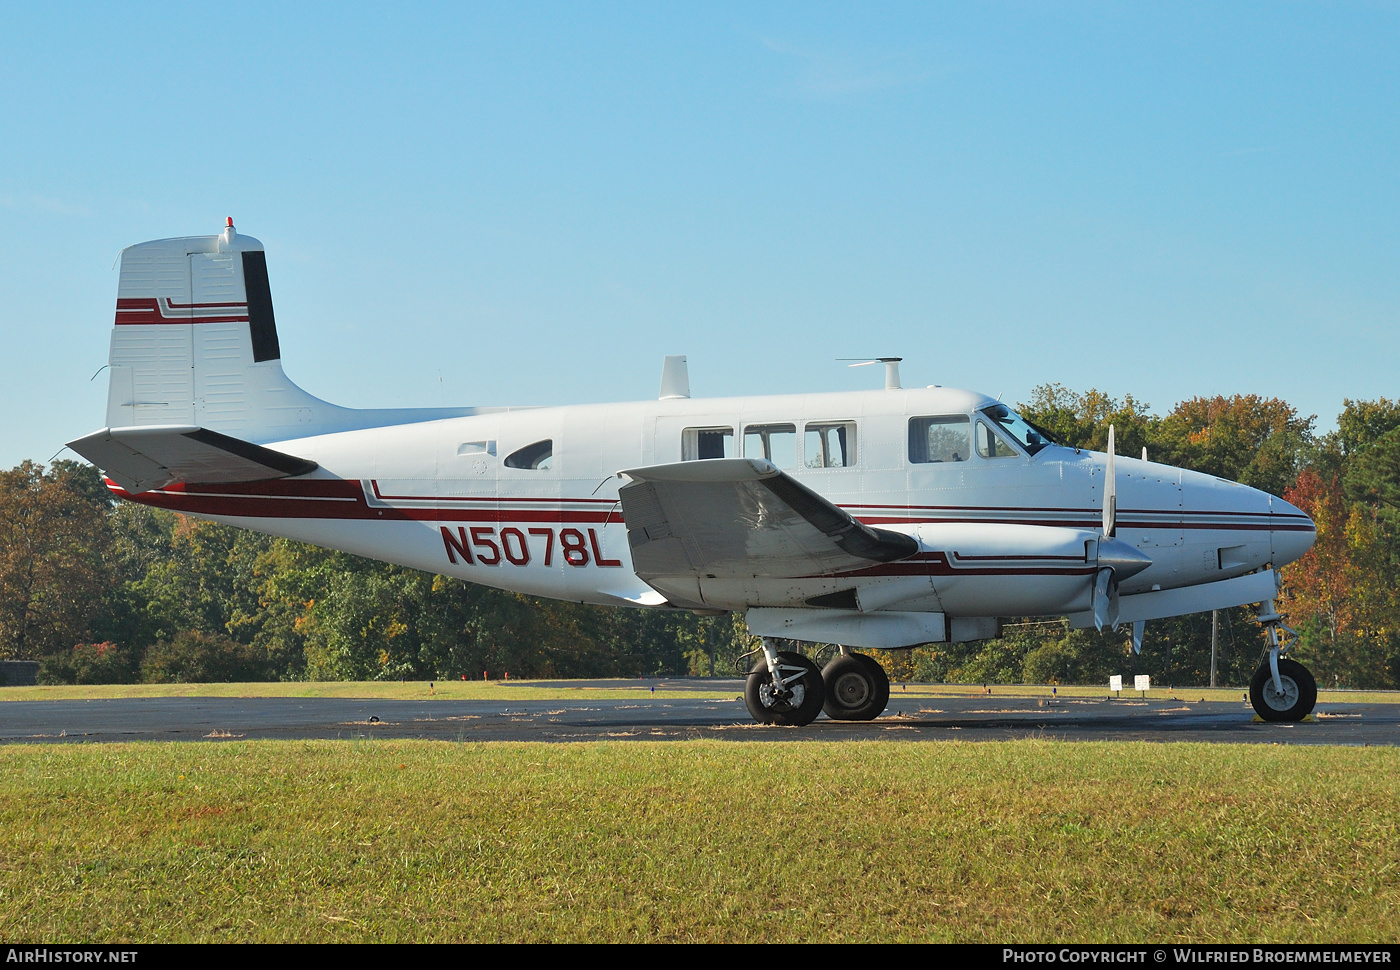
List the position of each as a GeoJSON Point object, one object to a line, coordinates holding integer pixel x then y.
{"type": "Point", "coordinates": [830, 444]}
{"type": "Point", "coordinates": [537, 456]}
{"type": "Point", "coordinates": [698, 444]}
{"type": "Point", "coordinates": [938, 439]}
{"type": "Point", "coordinates": [991, 444]}
{"type": "Point", "coordinates": [776, 442]}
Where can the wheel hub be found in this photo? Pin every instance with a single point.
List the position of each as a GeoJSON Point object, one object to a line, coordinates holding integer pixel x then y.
{"type": "Point", "coordinates": [851, 690]}
{"type": "Point", "coordinates": [782, 699]}
{"type": "Point", "coordinates": [1285, 701]}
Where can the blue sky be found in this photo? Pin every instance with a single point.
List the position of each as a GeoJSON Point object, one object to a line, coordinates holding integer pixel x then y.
{"type": "Point", "coordinates": [512, 204]}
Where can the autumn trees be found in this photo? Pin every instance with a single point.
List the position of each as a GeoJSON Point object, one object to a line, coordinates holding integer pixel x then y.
{"type": "Point", "coordinates": [55, 558]}
{"type": "Point", "coordinates": [1342, 595]}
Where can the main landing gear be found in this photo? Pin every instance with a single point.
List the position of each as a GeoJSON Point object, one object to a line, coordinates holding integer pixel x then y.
{"type": "Point", "coordinates": [1281, 689]}
{"type": "Point", "coordinates": [786, 688]}
{"type": "Point", "coordinates": [857, 688]}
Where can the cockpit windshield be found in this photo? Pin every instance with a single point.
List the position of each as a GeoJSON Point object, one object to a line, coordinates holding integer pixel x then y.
{"type": "Point", "coordinates": [1027, 435]}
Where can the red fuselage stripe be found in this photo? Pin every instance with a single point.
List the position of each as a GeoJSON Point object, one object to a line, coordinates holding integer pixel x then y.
{"type": "Point", "coordinates": [339, 499]}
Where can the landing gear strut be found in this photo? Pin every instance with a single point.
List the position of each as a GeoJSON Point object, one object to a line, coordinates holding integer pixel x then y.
{"type": "Point", "coordinates": [1281, 689]}
{"type": "Point", "coordinates": [857, 688]}
{"type": "Point", "coordinates": [784, 688]}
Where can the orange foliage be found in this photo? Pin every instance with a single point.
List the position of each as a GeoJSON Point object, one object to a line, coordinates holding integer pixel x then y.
{"type": "Point", "coordinates": [1320, 583]}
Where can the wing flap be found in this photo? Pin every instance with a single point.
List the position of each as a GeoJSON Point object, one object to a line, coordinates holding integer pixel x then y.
{"type": "Point", "coordinates": [742, 517]}
{"type": "Point", "coordinates": [142, 458]}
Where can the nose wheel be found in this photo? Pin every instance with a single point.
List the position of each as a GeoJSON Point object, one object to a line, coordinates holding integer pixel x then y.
{"type": "Point", "coordinates": [857, 688]}
{"type": "Point", "coordinates": [1281, 689]}
{"type": "Point", "coordinates": [1296, 699]}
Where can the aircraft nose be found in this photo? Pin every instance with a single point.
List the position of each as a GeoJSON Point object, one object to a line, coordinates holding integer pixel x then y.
{"type": "Point", "coordinates": [1291, 532]}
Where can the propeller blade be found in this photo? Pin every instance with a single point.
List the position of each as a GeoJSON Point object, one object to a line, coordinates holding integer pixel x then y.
{"type": "Point", "coordinates": [1139, 627]}
{"type": "Point", "coordinates": [1104, 600]}
{"type": "Point", "coordinates": [1110, 490]}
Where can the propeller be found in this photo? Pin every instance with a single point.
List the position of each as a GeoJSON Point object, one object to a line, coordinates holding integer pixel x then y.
{"type": "Point", "coordinates": [1117, 559]}
{"type": "Point", "coordinates": [1110, 491]}
{"type": "Point", "coordinates": [1139, 626]}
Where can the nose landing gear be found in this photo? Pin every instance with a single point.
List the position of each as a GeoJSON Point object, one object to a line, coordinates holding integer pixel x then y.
{"type": "Point", "coordinates": [1281, 689]}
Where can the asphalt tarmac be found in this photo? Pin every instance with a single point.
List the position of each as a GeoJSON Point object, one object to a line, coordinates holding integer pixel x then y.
{"type": "Point", "coordinates": [976, 718]}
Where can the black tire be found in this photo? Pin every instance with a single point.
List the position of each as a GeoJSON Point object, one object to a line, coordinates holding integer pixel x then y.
{"type": "Point", "coordinates": [1299, 692]}
{"type": "Point", "coordinates": [882, 680]}
{"type": "Point", "coordinates": [804, 698]}
{"type": "Point", "coordinates": [856, 688]}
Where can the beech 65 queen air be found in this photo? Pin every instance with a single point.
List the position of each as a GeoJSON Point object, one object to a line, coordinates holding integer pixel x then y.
{"type": "Point", "coordinates": [873, 520]}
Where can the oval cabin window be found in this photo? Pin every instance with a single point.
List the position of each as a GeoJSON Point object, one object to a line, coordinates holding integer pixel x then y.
{"type": "Point", "coordinates": [537, 456]}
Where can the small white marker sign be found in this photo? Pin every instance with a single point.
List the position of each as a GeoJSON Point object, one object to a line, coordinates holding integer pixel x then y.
{"type": "Point", "coordinates": [1115, 683]}
{"type": "Point", "coordinates": [1142, 682]}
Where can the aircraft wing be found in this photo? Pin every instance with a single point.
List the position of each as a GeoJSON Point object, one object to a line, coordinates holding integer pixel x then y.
{"type": "Point", "coordinates": [142, 458]}
{"type": "Point", "coordinates": [742, 517]}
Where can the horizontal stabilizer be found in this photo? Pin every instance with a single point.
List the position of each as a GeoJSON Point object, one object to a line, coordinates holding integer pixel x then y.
{"type": "Point", "coordinates": [741, 517]}
{"type": "Point", "coordinates": [142, 458]}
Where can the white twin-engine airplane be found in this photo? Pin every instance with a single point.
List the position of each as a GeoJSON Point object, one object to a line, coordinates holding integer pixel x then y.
{"type": "Point", "coordinates": [876, 520]}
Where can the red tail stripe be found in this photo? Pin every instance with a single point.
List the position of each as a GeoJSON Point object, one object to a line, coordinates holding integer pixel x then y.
{"type": "Point", "coordinates": [135, 312]}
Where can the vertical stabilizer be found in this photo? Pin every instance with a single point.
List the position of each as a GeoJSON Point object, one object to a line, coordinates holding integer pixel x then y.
{"type": "Point", "coordinates": [195, 344]}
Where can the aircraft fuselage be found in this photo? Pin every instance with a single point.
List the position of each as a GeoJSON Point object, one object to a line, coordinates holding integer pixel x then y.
{"type": "Point", "coordinates": [1001, 532]}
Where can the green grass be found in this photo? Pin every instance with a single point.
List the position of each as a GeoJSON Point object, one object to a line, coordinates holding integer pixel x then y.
{"type": "Point", "coordinates": [523, 690]}
{"type": "Point", "coordinates": [380, 840]}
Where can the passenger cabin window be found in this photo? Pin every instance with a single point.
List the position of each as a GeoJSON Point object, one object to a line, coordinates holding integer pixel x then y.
{"type": "Point", "coordinates": [938, 439]}
{"type": "Point", "coordinates": [776, 442]}
{"type": "Point", "coordinates": [990, 444]}
{"type": "Point", "coordinates": [698, 444]}
{"type": "Point", "coordinates": [829, 445]}
{"type": "Point", "coordinates": [537, 456]}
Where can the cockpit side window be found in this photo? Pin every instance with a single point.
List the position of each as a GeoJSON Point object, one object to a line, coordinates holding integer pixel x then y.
{"type": "Point", "coordinates": [939, 439]}
{"type": "Point", "coordinates": [538, 456]}
{"type": "Point", "coordinates": [1018, 429]}
{"type": "Point", "coordinates": [991, 444]}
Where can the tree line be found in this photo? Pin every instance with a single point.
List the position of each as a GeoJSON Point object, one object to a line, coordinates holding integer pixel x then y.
{"type": "Point", "coordinates": [114, 592]}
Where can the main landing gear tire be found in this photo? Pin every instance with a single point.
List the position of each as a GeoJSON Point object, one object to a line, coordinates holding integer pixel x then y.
{"type": "Point", "coordinates": [1299, 692]}
{"type": "Point", "coordinates": [796, 704]}
{"type": "Point", "coordinates": [857, 688]}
